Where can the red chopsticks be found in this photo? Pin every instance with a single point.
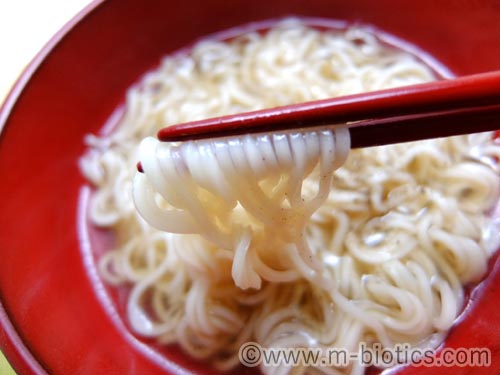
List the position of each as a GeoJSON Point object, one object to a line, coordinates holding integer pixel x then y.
{"type": "Point", "coordinates": [442, 108]}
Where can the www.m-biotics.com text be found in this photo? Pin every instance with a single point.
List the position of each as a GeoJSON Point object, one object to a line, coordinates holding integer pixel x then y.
{"type": "Point", "coordinates": [252, 354]}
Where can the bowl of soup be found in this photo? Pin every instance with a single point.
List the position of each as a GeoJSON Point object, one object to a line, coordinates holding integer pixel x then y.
{"type": "Point", "coordinates": [213, 263]}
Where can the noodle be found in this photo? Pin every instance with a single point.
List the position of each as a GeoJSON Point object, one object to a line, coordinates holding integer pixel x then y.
{"type": "Point", "coordinates": [230, 191]}
{"type": "Point", "coordinates": [257, 238]}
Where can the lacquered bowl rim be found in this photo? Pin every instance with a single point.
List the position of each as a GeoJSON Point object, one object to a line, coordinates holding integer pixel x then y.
{"type": "Point", "coordinates": [16, 351]}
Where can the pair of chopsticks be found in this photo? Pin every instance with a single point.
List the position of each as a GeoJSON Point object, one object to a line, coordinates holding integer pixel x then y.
{"type": "Point", "coordinates": [468, 104]}
{"type": "Point", "coordinates": [436, 109]}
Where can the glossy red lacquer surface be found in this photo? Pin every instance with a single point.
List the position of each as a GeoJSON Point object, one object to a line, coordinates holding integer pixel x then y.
{"type": "Point", "coordinates": [53, 317]}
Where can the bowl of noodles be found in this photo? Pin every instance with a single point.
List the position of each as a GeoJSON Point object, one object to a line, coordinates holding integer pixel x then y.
{"type": "Point", "coordinates": [226, 254]}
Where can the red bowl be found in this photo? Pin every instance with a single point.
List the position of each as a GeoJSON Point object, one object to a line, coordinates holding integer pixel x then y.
{"type": "Point", "coordinates": [55, 315]}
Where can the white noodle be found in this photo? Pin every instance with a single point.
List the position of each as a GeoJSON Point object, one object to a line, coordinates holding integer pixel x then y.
{"type": "Point", "coordinates": [264, 244]}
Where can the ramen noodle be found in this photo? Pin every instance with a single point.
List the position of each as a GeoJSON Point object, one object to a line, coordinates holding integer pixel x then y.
{"type": "Point", "coordinates": [288, 239]}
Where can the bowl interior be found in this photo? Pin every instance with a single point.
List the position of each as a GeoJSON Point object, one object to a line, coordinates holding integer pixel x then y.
{"type": "Point", "coordinates": [53, 317]}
